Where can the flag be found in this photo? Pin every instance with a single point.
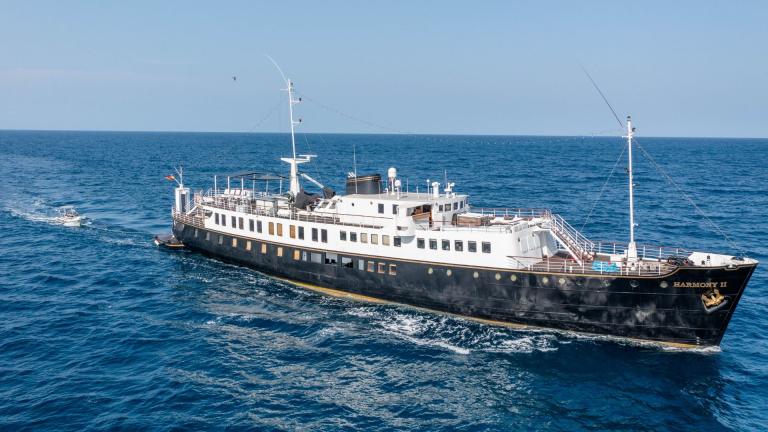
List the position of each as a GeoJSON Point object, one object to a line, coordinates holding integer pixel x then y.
{"type": "Point", "coordinates": [170, 177]}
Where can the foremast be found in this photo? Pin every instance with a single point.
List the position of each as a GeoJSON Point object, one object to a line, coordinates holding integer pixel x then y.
{"type": "Point", "coordinates": [632, 247]}
{"type": "Point", "coordinates": [295, 186]}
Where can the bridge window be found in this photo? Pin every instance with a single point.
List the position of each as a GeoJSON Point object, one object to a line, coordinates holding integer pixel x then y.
{"type": "Point", "coordinates": [420, 243]}
{"type": "Point", "coordinates": [472, 246]}
{"type": "Point", "coordinates": [456, 206]}
{"type": "Point", "coordinates": [446, 245]}
{"type": "Point", "coordinates": [343, 235]}
{"type": "Point", "coordinates": [486, 247]}
{"type": "Point", "coordinates": [458, 245]}
{"type": "Point", "coordinates": [433, 244]}
{"type": "Point", "coordinates": [440, 208]}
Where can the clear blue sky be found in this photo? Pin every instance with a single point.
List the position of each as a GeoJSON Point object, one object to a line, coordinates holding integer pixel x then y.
{"type": "Point", "coordinates": [682, 68]}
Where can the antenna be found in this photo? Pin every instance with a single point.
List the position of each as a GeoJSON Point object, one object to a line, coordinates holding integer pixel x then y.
{"type": "Point", "coordinates": [354, 163]}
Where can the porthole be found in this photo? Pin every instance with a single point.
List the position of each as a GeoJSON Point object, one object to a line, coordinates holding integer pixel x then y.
{"type": "Point", "coordinates": [430, 271]}
{"type": "Point", "coordinates": [448, 272]}
{"type": "Point", "coordinates": [561, 281]}
{"type": "Point", "coordinates": [634, 284]}
{"type": "Point", "coordinates": [663, 284]}
{"type": "Point", "coordinates": [476, 275]}
{"type": "Point", "coordinates": [545, 280]}
{"type": "Point", "coordinates": [513, 277]}
{"type": "Point", "coordinates": [498, 276]}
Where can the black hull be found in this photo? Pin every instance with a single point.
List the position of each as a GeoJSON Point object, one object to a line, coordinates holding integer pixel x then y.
{"type": "Point", "coordinates": [667, 309]}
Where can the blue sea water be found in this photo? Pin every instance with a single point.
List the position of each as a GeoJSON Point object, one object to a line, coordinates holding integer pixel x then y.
{"type": "Point", "coordinates": [101, 330]}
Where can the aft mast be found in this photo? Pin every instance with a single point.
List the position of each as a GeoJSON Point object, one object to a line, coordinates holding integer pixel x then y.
{"type": "Point", "coordinates": [632, 248]}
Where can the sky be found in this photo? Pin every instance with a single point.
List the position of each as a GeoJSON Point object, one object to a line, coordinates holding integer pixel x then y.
{"type": "Point", "coordinates": [683, 68]}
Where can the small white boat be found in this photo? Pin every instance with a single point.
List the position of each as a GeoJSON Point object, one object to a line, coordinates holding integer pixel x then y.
{"type": "Point", "coordinates": [69, 217]}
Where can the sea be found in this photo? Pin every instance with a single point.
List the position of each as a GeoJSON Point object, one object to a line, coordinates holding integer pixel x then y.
{"type": "Point", "coordinates": [101, 330]}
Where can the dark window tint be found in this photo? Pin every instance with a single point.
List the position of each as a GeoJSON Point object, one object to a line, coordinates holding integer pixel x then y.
{"type": "Point", "coordinates": [301, 233]}
{"type": "Point", "coordinates": [258, 226]}
{"type": "Point", "coordinates": [397, 241]}
{"type": "Point", "coordinates": [433, 244]}
{"type": "Point", "coordinates": [394, 208]}
{"type": "Point", "coordinates": [458, 245]}
{"type": "Point", "coordinates": [446, 245]}
{"type": "Point", "coordinates": [240, 223]}
{"type": "Point", "coordinates": [314, 234]}
{"type": "Point", "coordinates": [234, 222]}
{"type": "Point", "coordinates": [223, 220]}
{"type": "Point", "coordinates": [381, 208]}
{"type": "Point", "coordinates": [342, 235]}
{"type": "Point", "coordinates": [472, 246]}
{"type": "Point", "coordinates": [217, 218]}
{"type": "Point", "coordinates": [420, 243]}
{"type": "Point", "coordinates": [324, 236]}
{"type": "Point", "coordinates": [250, 224]}
{"type": "Point", "coordinates": [486, 247]}
{"type": "Point", "coordinates": [353, 236]}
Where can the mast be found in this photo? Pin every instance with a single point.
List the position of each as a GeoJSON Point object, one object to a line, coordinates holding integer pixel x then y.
{"type": "Point", "coordinates": [632, 248]}
{"type": "Point", "coordinates": [295, 186]}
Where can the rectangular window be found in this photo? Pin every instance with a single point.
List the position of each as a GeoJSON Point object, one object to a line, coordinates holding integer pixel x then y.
{"type": "Point", "coordinates": [263, 248]}
{"type": "Point", "coordinates": [279, 230]}
{"type": "Point", "coordinates": [195, 232]}
{"type": "Point", "coordinates": [292, 231]}
{"type": "Point", "coordinates": [234, 242]}
{"type": "Point", "coordinates": [440, 208]}
{"type": "Point", "coordinates": [223, 220]}
{"type": "Point", "coordinates": [361, 265]}
{"type": "Point", "coordinates": [240, 223]}
{"type": "Point", "coordinates": [385, 240]}
{"type": "Point", "coordinates": [250, 224]}
{"type": "Point", "coordinates": [472, 246]}
{"type": "Point", "coordinates": [248, 245]}
{"type": "Point", "coordinates": [363, 237]}
{"type": "Point", "coordinates": [394, 209]}
{"type": "Point", "coordinates": [217, 218]}
{"type": "Point", "coordinates": [234, 222]}
{"type": "Point", "coordinates": [461, 204]}
{"type": "Point", "coordinates": [207, 236]}
{"type": "Point", "coordinates": [458, 245]}
{"type": "Point", "coordinates": [296, 254]}
{"type": "Point", "coordinates": [397, 241]}
{"type": "Point", "coordinates": [446, 245]}
{"type": "Point", "coordinates": [374, 239]}
{"type": "Point", "coordinates": [433, 244]}
{"type": "Point", "coordinates": [314, 234]}
{"type": "Point", "coordinates": [353, 236]}
{"type": "Point", "coordinates": [381, 208]}
{"type": "Point", "coordinates": [324, 236]}
{"type": "Point", "coordinates": [279, 251]}
{"type": "Point", "coordinates": [301, 233]}
{"type": "Point", "coordinates": [486, 247]}
{"type": "Point", "coordinates": [331, 258]}
{"type": "Point", "coordinates": [343, 235]}
{"type": "Point", "coordinates": [316, 257]}
{"type": "Point", "coordinates": [420, 243]}
{"type": "Point", "coordinates": [304, 255]}
{"type": "Point", "coordinates": [371, 266]}
{"type": "Point", "coordinates": [346, 262]}
{"type": "Point", "coordinates": [271, 228]}
{"type": "Point", "coordinates": [221, 239]}
{"type": "Point", "coordinates": [258, 226]}
{"type": "Point", "coordinates": [382, 268]}
{"type": "Point", "coordinates": [456, 206]}
{"type": "Point", "coordinates": [393, 269]}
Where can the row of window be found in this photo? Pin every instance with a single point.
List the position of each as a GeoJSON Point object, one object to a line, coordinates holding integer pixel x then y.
{"type": "Point", "coordinates": [448, 207]}
{"type": "Point", "coordinates": [329, 258]}
{"type": "Point", "coordinates": [458, 245]}
{"type": "Point", "coordinates": [322, 235]}
{"type": "Point", "coordinates": [372, 238]}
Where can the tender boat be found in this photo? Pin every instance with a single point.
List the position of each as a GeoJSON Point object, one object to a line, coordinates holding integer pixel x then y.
{"type": "Point", "coordinates": [68, 217]}
{"type": "Point", "coordinates": [168, 241]}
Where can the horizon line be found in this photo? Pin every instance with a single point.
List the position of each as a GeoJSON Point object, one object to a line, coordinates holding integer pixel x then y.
{"type": "Point", "coordinates": [373, 133]}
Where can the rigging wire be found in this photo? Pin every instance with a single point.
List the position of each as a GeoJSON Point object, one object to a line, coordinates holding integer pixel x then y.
{"type": "Point", "coordinates": [269, 114]}
{"type": "Point", "coordinates": [602, 190]}
{"type": "Point", "coordinates": [351, 117]}
{"type": "Point", "coordinates": [698, 209]}
{"type": "Point", "coordinates": [594, 84]}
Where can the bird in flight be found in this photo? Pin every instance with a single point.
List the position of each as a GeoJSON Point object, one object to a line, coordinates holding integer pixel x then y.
{"type": "Point", "coordinates": [234, 78]}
